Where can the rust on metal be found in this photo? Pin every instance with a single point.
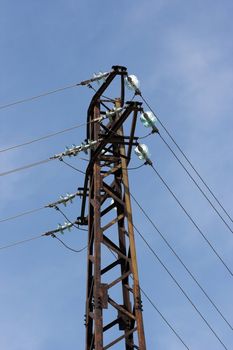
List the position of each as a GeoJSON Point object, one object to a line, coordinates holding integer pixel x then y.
{"type": "Point", "coordinates": [106, 208]}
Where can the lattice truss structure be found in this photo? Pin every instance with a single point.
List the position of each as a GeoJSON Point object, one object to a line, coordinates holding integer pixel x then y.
{"type": "Point", "coordinates": [113, 301]}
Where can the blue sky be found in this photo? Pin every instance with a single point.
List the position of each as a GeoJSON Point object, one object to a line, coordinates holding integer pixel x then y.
{"type": "Point", "coordinates": [182, 53]}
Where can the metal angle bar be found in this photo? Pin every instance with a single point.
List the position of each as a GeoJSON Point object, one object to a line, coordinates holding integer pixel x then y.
{"type": "Point", "coordinates": [119, 279]}
{"type": "Point", "coordinates": [121, 309]}
{"type": "Point", "coordinates": [114, 247]}
{"type": "Point", "coordinates": [111, 324]}
{"type": "Point", "coordinates": [111, 266]}
{"type": "Point", "coordinates": [98, 313]}
{"type": "Point", "coordinates": [118, 123]}
{"type": "Point", "coordinates": [117, 70]}
{"type": "Point", "coordinates": [126, 335]}
{"type": "Point", "coordinates": [105, 141]}
{"type": "Point", "coordinates": [107, 210]}
{"type": "Point", "coordinates": [112, 171]}
{"type": "Point", "coordinates": [110, 191]}
{"type": "Point", "coordinates": [109, 158]}
{"type": "Point", "coordinates": [131, 106]}
{"type": "Point", "coordinates": [136, 288]}
{"type": "Point", "coordinates": [113, 222]}
{"type": "Point", "coordinates": [132, 134]}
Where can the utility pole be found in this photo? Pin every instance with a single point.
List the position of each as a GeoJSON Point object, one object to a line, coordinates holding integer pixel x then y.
{"type": "Point", "coordinates": [113, 299]}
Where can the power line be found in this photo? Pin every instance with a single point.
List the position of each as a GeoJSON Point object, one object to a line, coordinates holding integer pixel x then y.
{"type": "Point", "coordinates": [77, 227]}
{"type": "Point", "coordinates": [27, 212]}
{"type": "Point", "coordinates": [181, 289]}
{"type": "Point", "coordinates": [195, 182]}
{"type": "Point", "coordinates": [67, 247]}
{"type": "Point", "coordinates": [34, 210]}
{"type": "Point", "coordinates": [20, 242]}
{"type": "Point", "coordinates": [191, 219]}
{"type": "Point", "coordinates": [145, 136]}
{"type": "Point", "coordinates": [181, 261]}
{"type": "Point", "coordinates": [27, 99]}
{"type": "Point", "coordinates": [31, 211]}
{"type": "Point", "coordinates": [188, 160]}
{"type": "Point", "coordinates": [71, 166]}
{"type": "Point", "coordinates": [49, 135]}
{"type": "Point", "coordinates": [31, 165]}
{"type": "Point", "coordinates": [46, 93]}
{"type": "Point", "coordinates": [163, 317]}
{"type": "Point", "coordinates": [65, 216]}
{"type": "Point", "coordinates": [134, 168]}
{"type": "Point", "coordinates": [42, 138]}
{"type": "Point", "coordinates": [39, 236]}
{"type": "Point", "coordinates": [21, 214]}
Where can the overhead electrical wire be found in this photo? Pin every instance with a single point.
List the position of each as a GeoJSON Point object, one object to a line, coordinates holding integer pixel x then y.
{"type": "Point", "coordinates": [65, 216]}
{"type": "Point", "coordinates": [27, 166]}
{"type": "Point", "coordinates": [195, 182]}
{"type": "Point", "coordinates": [39, 236]}
{"type": "Point", "coordinates": [192, 220]}
{"type": "Point", "coordinates": [72, 167]}
{"type": "Point", "coordinates": [180, 260]}
{"type": "Point", "coordinates": [188, 160]}
{"type": "Point", "coordinates": [145, 136]}
{"type": "Point", "coordinates": [39, 96]}
{"type": "Point", "coordinates": [37, 209]}
{"type": "Point", "coordinates": [181, 288]}
{"type": "Point", "coordinates": [31, 165]}
{"type": "Point", "coordinates": [31, 211]}
{"type": "Point", "coordinates": [48, 136]}
{"type": "Point", "coordinates": [27, 212]}
{"type": "Point", "coordinates": [67, 247]}
{"type": "Point", "coordinates": [50, 92]}
{"type": "Point", "coordinates": [74, 225]}
{"type": "Point", "coordinates": [10, 245]}
{"type": "Point", "coordinates": [44, 161]}
{"type": "Point", "coordinates": [133, 168]}
{"type": "Point", "coordinates": [42, 138]}
{"type": "Point", "coordinates": [21, 214]}
{"type": "Point", "coordinates": [163, 317]}
{"type": "Point", "coordinates": [20, 242]}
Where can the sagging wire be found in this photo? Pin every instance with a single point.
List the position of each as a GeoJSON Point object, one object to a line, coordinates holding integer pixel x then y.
{"type": "Point", "coordinates": [71, 166]}
{"type": "Point", "coordinates": [76, 226]}
{"type": "Point", "coordinates": [66, 246]}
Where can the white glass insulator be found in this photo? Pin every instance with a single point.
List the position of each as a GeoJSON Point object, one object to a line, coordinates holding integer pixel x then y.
{"type": "Point", "coordinates": [132, 82]}
{"type": "Point", "coordinates": [148, 119]}
{"type": "Point", "coordinates": [142, 151]}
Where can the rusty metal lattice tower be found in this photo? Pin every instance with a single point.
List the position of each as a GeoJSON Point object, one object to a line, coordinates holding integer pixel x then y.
{"type": "Point", "coordinates": [113, 300]}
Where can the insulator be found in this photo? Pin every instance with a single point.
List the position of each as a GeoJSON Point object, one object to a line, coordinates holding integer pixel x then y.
{"type": "Point", "coordinates": [132, 82]}
{"type": "Point", "coordinates": [100, 77]}
{"type": "Point", "coordinates": [111, 114]}
{"type": "Point", "coordinates": [143, 153]}
{"type": "Point", "coordinates": [148, 119]}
